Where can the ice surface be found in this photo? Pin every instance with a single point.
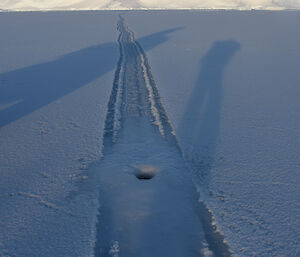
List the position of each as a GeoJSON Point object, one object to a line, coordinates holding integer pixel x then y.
{"type": "Point", "coordinates": [163, 212]}
{"type": "Point", "coordinates": [57, 69]}
{"type": "Point", "coordinates": [229, 82]}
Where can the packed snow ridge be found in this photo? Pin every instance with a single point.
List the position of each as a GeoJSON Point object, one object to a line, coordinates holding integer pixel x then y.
{"type": "Point", "coordinates": [27, 5]}
{"type": "Point", "coordinates": [149, 205]}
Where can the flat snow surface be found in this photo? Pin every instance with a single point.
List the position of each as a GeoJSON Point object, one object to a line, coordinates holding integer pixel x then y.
{"type": "Point", "coordinates": [56, 76]}
{"type": "Point", "coordinates": [23, 5]}
{"type": "Point", "coordinates": [146, 193]}
{"type": "Point", "coordinates": [228, 84]}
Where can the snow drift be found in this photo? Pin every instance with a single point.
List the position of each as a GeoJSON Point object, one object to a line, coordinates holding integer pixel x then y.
{"type": "Point", "coordinates": [25, 5]}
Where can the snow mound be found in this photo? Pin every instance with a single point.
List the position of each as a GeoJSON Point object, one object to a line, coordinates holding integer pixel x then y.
{"type": "Point", "coordinates": [29, 5]}
{"type": "Point", "coordinates": [145, 171]}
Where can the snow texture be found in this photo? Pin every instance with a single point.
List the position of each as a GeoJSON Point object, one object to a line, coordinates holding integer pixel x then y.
{"type": "Point", "coordinates": [23, 5]}
{"type": "Point", "coordinates": [229, 84]}
{"type": "Point", "coordinates": [56, 76]}
{"type": "Point", "coordinates": [162, 212]}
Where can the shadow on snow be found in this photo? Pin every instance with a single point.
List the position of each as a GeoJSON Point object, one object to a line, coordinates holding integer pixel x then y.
{"type": "Point", "coordinates": [200, 124]}
{"type": "Point", "coordinates": [200, 127]}
{"type": "Point", "coordinates": [33, 87]}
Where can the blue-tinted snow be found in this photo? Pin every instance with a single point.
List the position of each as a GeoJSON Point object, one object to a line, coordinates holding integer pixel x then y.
{"type": "Point", "coordinates": [55, 79]}
{"type": "Point", "coordinates": [241, 139]}
{"type": "Point", "coordinates": [230, 84]}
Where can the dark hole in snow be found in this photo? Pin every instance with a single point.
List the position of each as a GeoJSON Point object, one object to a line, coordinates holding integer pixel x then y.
{"type": "Point", "coordinates": [144, 171]}
{"type": "Point", "coordinates": [144, 176]}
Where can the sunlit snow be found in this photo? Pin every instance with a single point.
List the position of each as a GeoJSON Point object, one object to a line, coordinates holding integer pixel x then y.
{"type": "Point", "coordinates": [147, 4]}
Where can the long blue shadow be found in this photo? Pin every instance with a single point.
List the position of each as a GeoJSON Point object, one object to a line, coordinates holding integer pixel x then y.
{"type": "Point", "coordinates": [200, 123]}
{"type": "Point", "coordinates": [200, 126]}
{"type": "Point", "coordinates": [35, 86]}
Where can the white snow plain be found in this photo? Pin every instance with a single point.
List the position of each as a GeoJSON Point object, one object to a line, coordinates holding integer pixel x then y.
{"type": "Point", "coordinates": [26, 5]}
{"type": "Point", "coordinates": [229, 82]}
{"type": "Point", "coordinates": [56, 75]}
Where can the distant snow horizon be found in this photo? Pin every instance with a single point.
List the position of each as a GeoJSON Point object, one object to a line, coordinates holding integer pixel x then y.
{"type": "Point", "coordinates": [47, 5]}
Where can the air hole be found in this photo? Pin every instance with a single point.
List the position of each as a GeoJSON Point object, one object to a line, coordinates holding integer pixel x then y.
{"type": "Point", "coordinates": [144, 176]}
{"type": "Point", "coordinates": [145, 172]}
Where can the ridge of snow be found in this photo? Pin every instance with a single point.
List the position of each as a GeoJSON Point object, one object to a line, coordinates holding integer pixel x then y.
{"type": "Point", "coordinates": [43, 5]}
